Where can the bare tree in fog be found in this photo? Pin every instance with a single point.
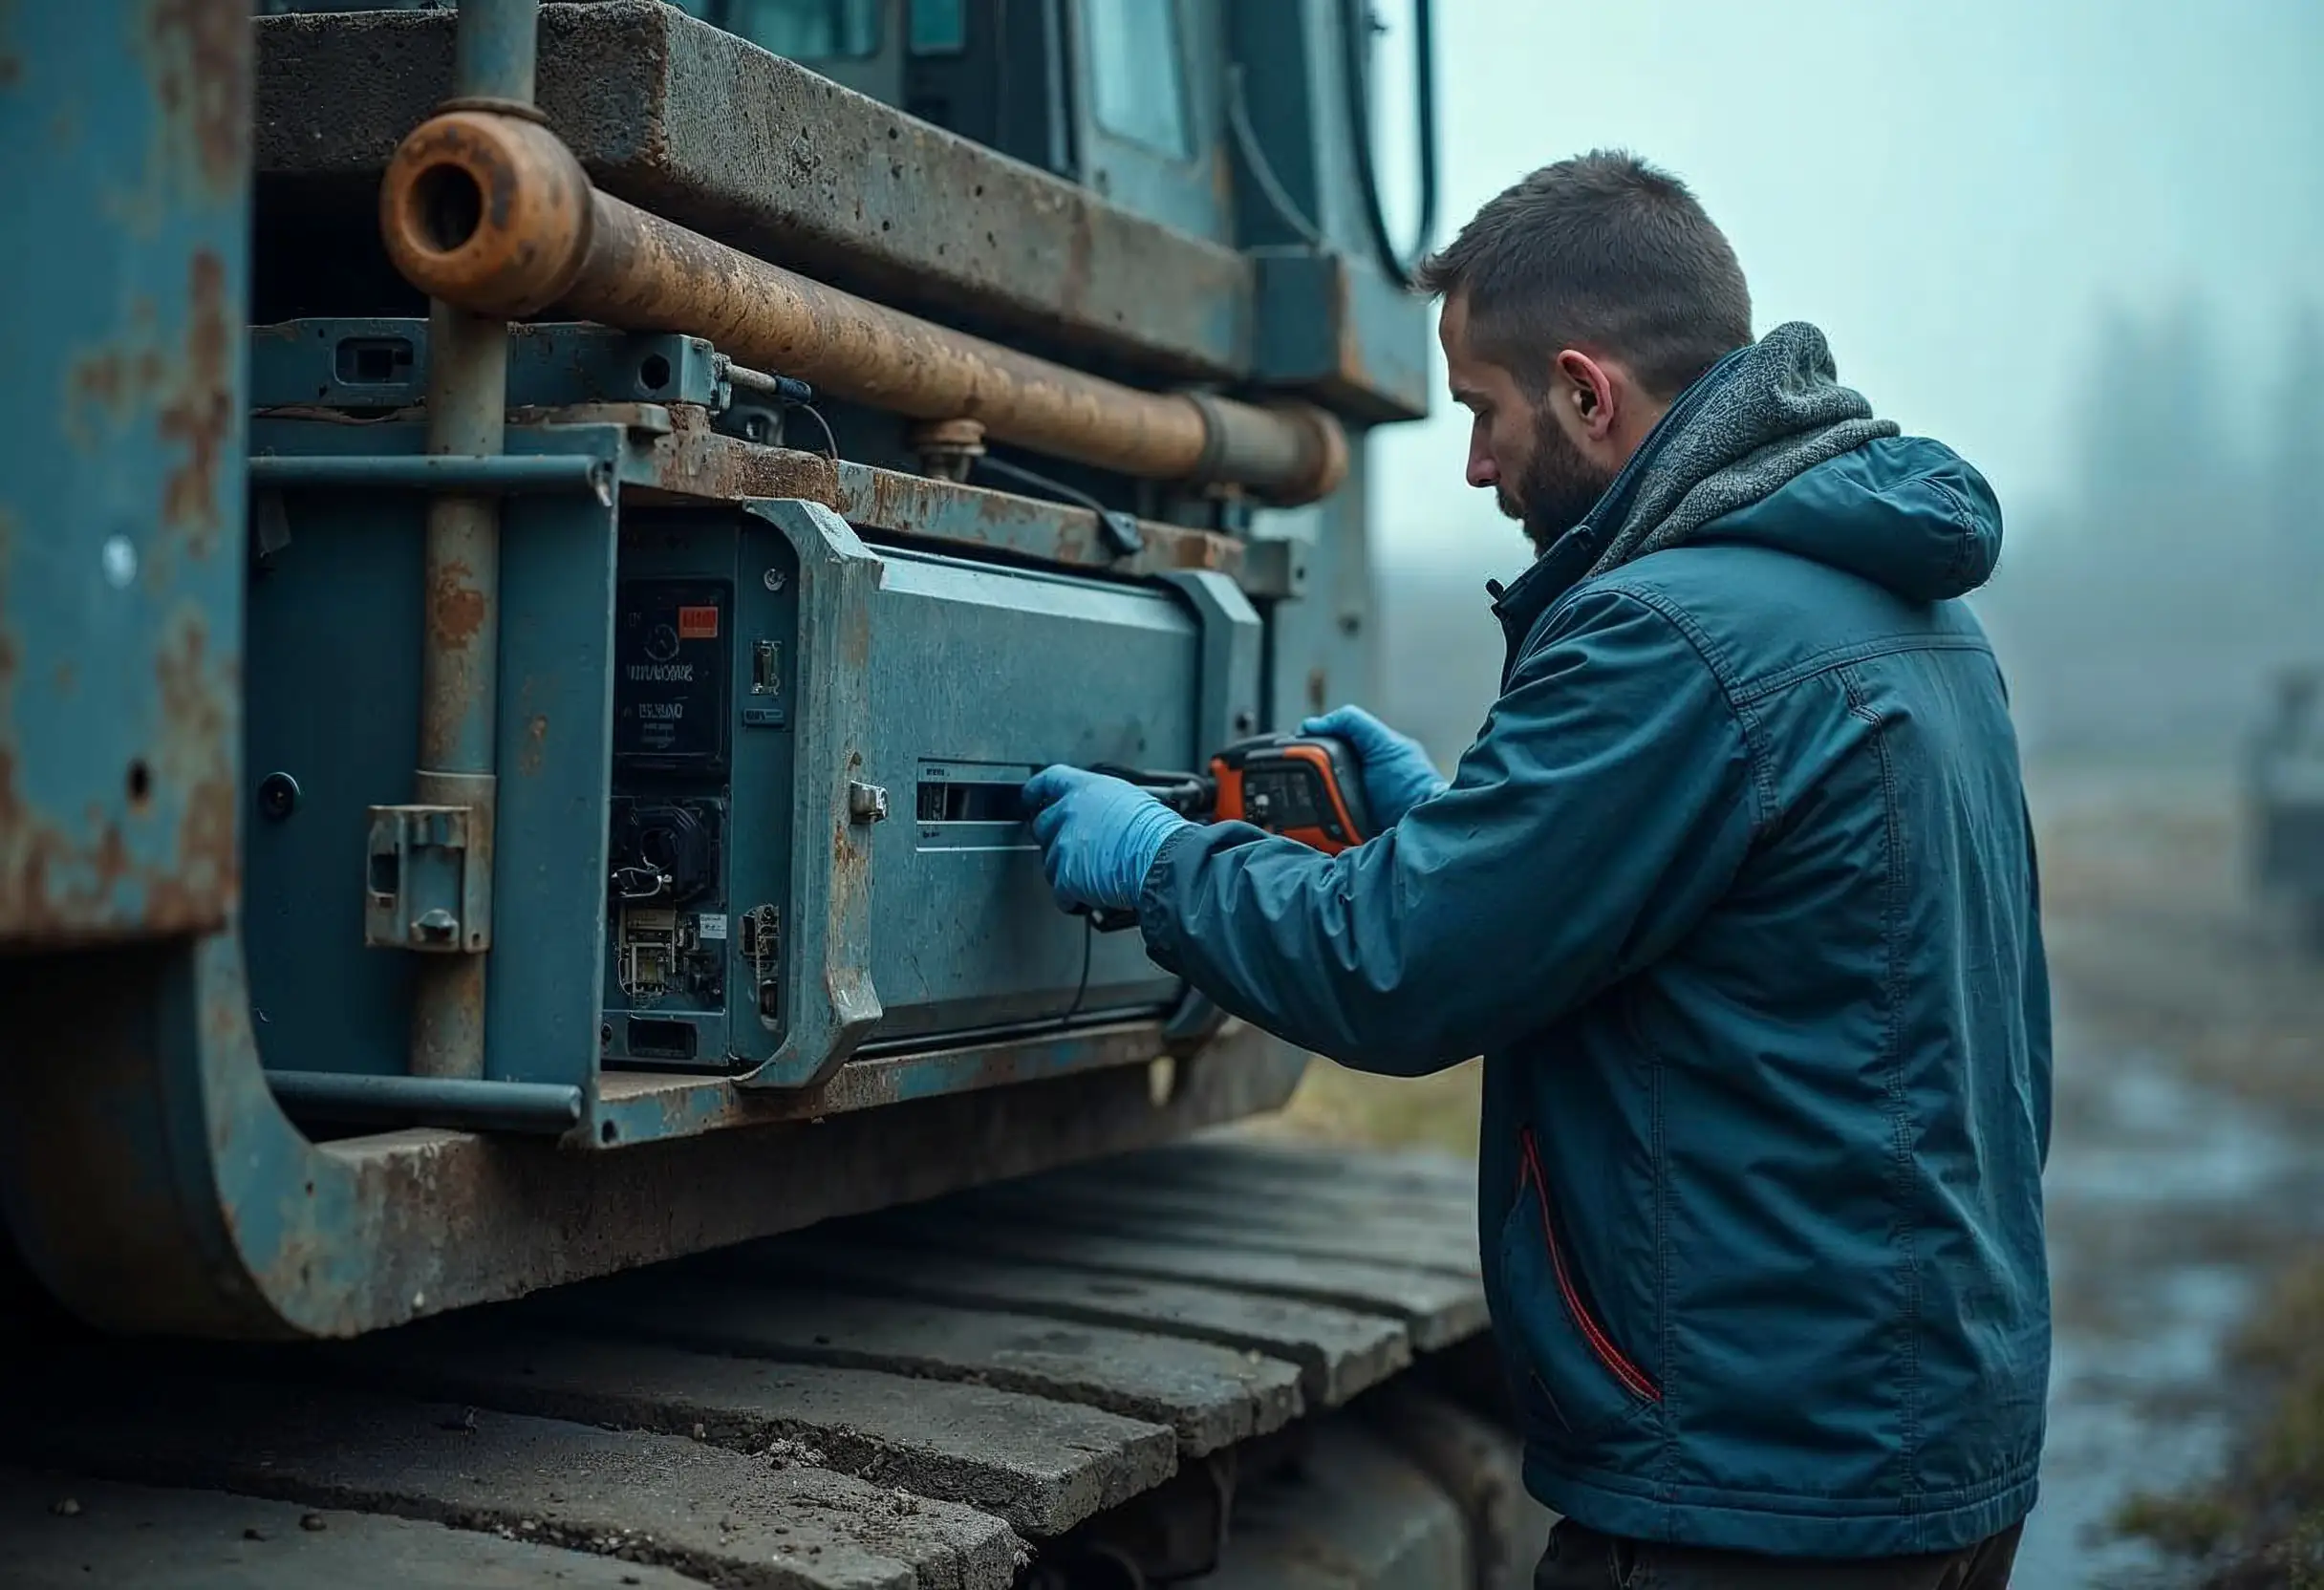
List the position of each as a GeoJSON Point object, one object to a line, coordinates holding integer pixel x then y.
{"type": "Point", "coordinates": [2146, 613]}
{"type": "Point", "coordinates": [2296, 464]}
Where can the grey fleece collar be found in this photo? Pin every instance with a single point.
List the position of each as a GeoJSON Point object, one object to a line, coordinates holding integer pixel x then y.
{"type": "Point", "coordinates": [1763, 415]}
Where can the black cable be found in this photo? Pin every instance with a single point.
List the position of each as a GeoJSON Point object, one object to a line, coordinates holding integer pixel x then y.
{"type": "Point", "coordinates": [1355, 76]}
{"type": "Point", "coordinates": [1119, 530]}
{"type": "Point", "coordinates": [1254, 160]}
{"type": "Point", "coordinates": [830, 447]}
{"type": "Point", "coordinates": [1082, 989]}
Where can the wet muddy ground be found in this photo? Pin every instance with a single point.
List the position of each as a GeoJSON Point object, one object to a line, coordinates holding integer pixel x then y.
{"type": "Point", "coordinates": [2187, 1155]}
{"type": "Point", "coordinates": [2185, 1170]}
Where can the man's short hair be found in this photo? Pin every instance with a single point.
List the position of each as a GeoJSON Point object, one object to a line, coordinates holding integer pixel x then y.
{"type": "Point", "coordinates": [1605, 253]}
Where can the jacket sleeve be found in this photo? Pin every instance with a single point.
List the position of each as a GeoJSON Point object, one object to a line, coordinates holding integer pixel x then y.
{"type": "Point", "coordinates": [1604, 807]}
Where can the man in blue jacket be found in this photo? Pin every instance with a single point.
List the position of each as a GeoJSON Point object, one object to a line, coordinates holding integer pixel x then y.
{"type": "Point", "coordinates": [1735, 893]}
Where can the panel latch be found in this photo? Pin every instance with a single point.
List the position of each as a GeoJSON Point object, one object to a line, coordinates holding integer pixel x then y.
{"type": "Point", "coordinates": [428, 877]}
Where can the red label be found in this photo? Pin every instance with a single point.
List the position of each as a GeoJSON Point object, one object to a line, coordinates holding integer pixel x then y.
{"type": "Point", "coordinates": [698, 623]}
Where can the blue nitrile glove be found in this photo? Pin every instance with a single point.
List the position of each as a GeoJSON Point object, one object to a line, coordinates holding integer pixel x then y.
{"type": "Point", "coordinates": [1099, 836]}
{"type": "Point", "coordinates": [1397, 773]}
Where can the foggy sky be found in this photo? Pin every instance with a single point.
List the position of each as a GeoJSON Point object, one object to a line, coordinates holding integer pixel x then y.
{"type": "Point", "coordinates": [1950, 192]}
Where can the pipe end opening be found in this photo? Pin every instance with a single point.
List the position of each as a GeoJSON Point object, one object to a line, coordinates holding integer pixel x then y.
{"type": "Point", "coordinates": [446, 208]}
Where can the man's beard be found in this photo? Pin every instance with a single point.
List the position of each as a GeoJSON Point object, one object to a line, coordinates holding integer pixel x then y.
{"type": "Point", "coordinates": [1559, 488]}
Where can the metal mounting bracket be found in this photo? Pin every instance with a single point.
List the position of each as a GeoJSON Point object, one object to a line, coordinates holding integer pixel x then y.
{"type": "Point", "coordinates": [428, 877]}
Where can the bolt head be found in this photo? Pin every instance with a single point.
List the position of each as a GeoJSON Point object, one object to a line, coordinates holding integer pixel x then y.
{"type": "Point", "coordinates": [120, 559]}
{"type": "Point", "coordinates": [277, 796]}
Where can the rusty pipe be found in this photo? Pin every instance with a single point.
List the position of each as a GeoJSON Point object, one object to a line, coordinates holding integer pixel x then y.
{"type": "Point", "coordinates": [494, 213]}
{"type": "Point", "coordinates": [493, 64]}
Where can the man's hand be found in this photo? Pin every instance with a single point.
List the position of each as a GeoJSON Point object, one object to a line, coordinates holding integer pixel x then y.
{"type": "Point", "coordinates": [1099, 836]}
{"type": "Point", "coordinates": [1397, 773]}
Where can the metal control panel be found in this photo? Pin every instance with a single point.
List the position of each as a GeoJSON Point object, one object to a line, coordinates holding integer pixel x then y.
{"type": "Point", "coordinates": [706, 606]}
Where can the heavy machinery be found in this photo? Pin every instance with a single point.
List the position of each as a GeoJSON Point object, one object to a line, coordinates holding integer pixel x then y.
{"type": "Point", "coordinates": [2284, 791]}
{"type": "Point", "coordinates": [539, 543]}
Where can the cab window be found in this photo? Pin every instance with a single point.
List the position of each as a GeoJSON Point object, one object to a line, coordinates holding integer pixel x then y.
{"type": "Point", "coordinates": [1138, 77]}
{"type": "Point", "coordinates": [808, 30]}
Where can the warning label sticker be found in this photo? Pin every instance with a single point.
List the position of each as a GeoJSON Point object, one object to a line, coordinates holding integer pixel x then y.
{"type": "Point", "coordinates": [698, 623]}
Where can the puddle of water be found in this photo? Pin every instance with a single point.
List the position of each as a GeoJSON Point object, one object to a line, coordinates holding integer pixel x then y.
{"type": "Point", "coordinates": [2142, 1324]}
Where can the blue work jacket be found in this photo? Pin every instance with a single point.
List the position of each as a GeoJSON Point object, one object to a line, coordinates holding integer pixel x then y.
{"type": "Point", "coordinates": [1735, 892]}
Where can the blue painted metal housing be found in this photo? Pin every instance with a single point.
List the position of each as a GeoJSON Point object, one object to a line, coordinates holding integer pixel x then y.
{"type": "Point", "coordinates": [931, 679]}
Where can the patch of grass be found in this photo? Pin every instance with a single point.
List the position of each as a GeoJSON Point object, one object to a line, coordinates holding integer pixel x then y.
{"type": "Point", "coordinates": [1336, 1104]}
{"type": "Point", "coordinates": [2262, 1523]}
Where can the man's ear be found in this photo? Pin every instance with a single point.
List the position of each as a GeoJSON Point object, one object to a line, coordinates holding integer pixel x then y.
{"type": "Point", "coordinates": [1585, 390]}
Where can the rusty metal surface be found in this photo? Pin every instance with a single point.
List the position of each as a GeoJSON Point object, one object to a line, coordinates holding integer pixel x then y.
{"type": "Point", "coordinates": [916, 506]}
{"type": "Point", "coordinates": [526, 246]}
{"type": "Point", "coordinates": [120, 505]}
{"type": "Point", "coordinates": [690, 459]}
{"type": "Point", "coordinates": [696, 124]}
{"type": "Point", "coordinates": [153, 1185]}
{"type": "Point", "coordinates": [644, 1105]}
{"type": "Point", "coordinates": [517, 259]}
{"type": "Point", "coordinates": [461, 583]}
{"type": "Point", "coordinates": [460, 678]}
{"type": "Point", "coordinates": [1336, 328]}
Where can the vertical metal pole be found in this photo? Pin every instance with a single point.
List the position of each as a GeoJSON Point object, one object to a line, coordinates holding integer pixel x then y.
{"type": "Point", "coordinates": [460, 666]}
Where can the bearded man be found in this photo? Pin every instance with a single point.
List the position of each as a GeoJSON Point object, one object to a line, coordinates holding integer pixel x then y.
{"type": "Point", "coordinates": [1735, 892]}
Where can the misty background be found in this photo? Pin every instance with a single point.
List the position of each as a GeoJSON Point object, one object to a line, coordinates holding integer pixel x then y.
{"type": "Point", "coordinates": [2080, 241]}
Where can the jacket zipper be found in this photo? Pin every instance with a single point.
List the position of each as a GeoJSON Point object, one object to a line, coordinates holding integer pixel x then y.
{"type": "Point", "coordinates": [1617, 1364]}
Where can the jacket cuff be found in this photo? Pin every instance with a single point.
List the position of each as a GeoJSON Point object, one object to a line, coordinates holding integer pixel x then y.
{"type": "Point", "coordinates": [1157, 899]}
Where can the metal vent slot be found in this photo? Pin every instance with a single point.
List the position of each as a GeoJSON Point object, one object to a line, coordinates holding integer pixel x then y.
{"type": "Point", "coordinates": [971, 802]}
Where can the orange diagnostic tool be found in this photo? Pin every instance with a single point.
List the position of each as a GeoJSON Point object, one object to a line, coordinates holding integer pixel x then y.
{"type": "Point", "coordinates": [1307, 788]}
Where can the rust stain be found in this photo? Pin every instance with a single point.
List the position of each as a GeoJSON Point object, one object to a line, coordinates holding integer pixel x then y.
{"type": "Point", "coordinates": [1201, 549]}
{"type": "Point", "coordinates": [108, 380]}
{"type": "Point", "coordinates": [1073, 284]}
{"type": "Point", "coordinates": [455, 608]}
{"type": "Point", "coordinates": [693, 460]}
{"type": "Point", "coordinates": [200, 415]}
{"type": "Point", "coordinates": [104, 387]}
{"type": "Point", "coordinates": [199, 57]}
{"type": "Point", "coordinates": [56, 887]}
{"type": "Point", "coordinates": [196, 757]}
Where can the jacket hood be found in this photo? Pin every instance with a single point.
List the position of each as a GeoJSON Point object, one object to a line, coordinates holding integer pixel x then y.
{"type": "Point", "coordinates": [1904, 512]}
{"type": "Point", "coordinates": [1767, 447]}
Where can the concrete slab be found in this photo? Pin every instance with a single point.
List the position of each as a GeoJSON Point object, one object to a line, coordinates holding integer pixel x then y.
{"type": "Point", "coordinates": [1480, 1465]}
{"type": "Point", "coordinates": [703, 1509]}
{"type": "Point", "coordinates": [60, 1532]}
{"type": "Point", "coordinates": [1208, 1395]}
{"type": "Point", "coordinates": [1276, 1193]}
{"type": "Point", "coordinates": [1340, 1351]}
{"type": "Point", "coordinates": [1242, 1144]}
{"type": "Point", "coordinates": [1437, 1309]}
{"type": "Point", "coordinates": [1409, 1180]}
{"type": "Point", "coordinates": [1043, 1465]}
{"type": "Point", "coordinates": [1351, 1514]}
{"type": "Point", "coordinates": [707, 129]}
{"type": "Point", "coordinates": [1369, 1233]}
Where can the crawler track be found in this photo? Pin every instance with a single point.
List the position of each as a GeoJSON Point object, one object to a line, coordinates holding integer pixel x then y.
{"type": "Point", "coordinates": [1224, 1363]}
